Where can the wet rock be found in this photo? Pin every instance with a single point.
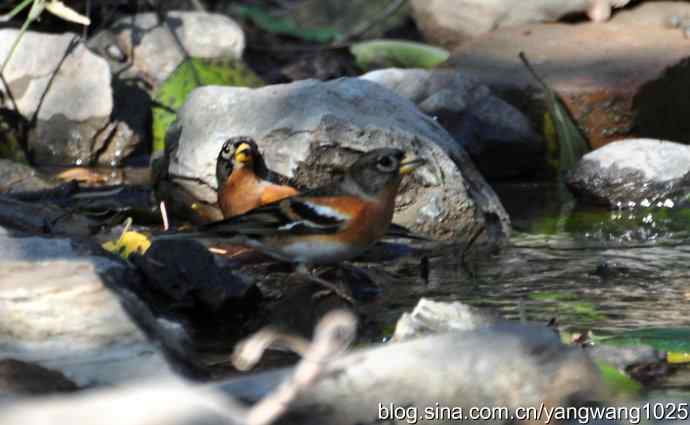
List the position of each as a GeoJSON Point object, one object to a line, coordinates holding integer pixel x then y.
{"type": "Point", "coordinates": [617, 79]}
{"type": "Point", "coordinates": [43, 218]}
{"type": "Point", "coordinates": [451, 22]}
{"type": "Point", "coordinates": [65, 318]}
{"type": "Point", "coordinates": [21, 378]}
{"type": "Point", "coordinates": [510, 365]}
{"type": "Point", "coordinates": [67, 92]}
{"type": "Point", "coordinates": [498, 137]}
{"type": "Point", "coordinates": [17, 177]}
{"type": "Point", "coordinates": [185, 272]}
{"type": "Point", "coordinates": [140, 46]}
{"type": "Point", "coordinates": [430, 317]}
{"type": "Point", "coordinates": [129, 127]}
{"type": "Point", "coordinates": [634, 172]}
{"type": "Point", "coordinates": [309, 129]}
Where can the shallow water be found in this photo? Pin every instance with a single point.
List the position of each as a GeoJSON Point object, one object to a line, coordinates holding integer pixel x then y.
{"type": "Point", "coordinates": [601, 275]}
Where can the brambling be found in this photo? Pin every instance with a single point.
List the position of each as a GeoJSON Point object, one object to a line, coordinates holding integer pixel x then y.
{"type": "Point", "coordinates": [327, 225]}
{"type": "Point", "coordinates": [244, 180]}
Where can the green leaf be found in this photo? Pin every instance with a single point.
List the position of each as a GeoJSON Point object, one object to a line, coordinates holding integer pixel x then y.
{"type": "Point", "coordinates": [676, 340]}
{"type": "Point", "coordinates": [617, 382]}
{"type": "Point", "coordinates": [397, 53]}
{"type": "Point", "coordinates": [190, 74]}
{"type": "Point", "coordinates": [572, 143]}
{"type": "Point", "coordinates": [286, 26]}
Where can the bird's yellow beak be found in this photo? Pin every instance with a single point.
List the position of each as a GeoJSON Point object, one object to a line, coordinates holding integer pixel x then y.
{"type": "Point", "coordinates": [406, 167]}
{"type": "Point", "coordinates": [242, 154]}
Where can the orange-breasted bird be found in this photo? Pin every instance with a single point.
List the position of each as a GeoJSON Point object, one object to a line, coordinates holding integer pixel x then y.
{"type": "Point", "coordinates": [327, 225]}
{"type": "Point", "coordinates": [244, 180]}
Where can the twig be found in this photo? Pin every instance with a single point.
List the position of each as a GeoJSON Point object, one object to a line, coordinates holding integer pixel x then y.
{"type": "Point", "coordinates": [164, 216]}
{"type": "Point", "coordinates": [332, 337]}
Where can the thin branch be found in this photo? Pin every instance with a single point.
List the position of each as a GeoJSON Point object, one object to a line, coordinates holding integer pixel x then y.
{"type": "Point", "coordinates": [332, 336]}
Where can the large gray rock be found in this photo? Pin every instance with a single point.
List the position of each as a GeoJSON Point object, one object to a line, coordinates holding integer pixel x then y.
{"type": "Point", "coordinates": [452, 22]}
{"type": "Point", "coordinates": [65, 87]}
{"type": "Point", "coordinates": [308, 128]}
{"type": "Point", "coordinates": [141, 46]}
{"type": "Point", "coordinates": [58, 313]}
{"type": "Point", "coordinates": [498, 137]}
{"type": "Point", "coordinates": [632, 172]}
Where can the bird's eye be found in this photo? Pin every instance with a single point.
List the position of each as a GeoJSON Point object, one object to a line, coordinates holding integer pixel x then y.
{"type": "Point", "coordinates": [386, 164]}
{"type": "Point", "coordinates": [226, 152]}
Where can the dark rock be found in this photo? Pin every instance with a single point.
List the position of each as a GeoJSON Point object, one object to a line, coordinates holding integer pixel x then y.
{"type": "Point", "coordinates": [498, 137]}
{"type": "Point", "coordinates": [186, 272]}
{"type": "Point", "coordinates": [22, 378]}
{"type": "Point", "coordinates": [309, 129]}
{"type": "Point", "coordinates": [42, 218]}
{"type": "Point", "coordinates": [634, 172]}
{"type": "Point", "coordinates": [616, 79]}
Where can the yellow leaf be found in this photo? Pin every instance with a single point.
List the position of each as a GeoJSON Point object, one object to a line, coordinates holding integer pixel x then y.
{"type": "Point", "coordinates": [676, 358]}
{"type": "Point", "coordinates": [128, 242]}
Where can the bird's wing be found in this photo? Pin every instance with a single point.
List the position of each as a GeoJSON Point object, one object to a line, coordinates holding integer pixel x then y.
{"type": "Point", "coordinates": [396, 231]}
{"type": "Point", "coordinates": [297, 215]}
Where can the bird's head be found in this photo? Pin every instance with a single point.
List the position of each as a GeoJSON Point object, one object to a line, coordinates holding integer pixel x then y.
{"type": "Point", "coordinates": [378, 169]}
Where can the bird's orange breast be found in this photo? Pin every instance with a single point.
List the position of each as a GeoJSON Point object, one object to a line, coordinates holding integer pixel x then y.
{"type": "Point", "coordinates": [244, 191]}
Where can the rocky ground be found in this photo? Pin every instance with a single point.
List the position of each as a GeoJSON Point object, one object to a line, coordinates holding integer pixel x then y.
{"type": "Point", "coordinates": [152, 90]}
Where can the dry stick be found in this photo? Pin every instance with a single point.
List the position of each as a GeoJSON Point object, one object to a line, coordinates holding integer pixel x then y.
{"type": "Point", "coordinates": [332, 337]}
{"type": "Point", "coordinates": [164, 216]}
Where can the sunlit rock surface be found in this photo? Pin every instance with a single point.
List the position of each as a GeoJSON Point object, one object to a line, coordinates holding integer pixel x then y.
{"type": "Point", "coordinates": [59, 313]}
{"type": "Point", "coordinates": [634, 172]}
{"type": "Point", "coordinates": [65, 87]}
{"type": "Point", "coordinates": [310, 129]}
{"type": "Point", "coordinates": [141, 46]}
{"type": "Point", "coordinates": [452, 22]}
{"type": "Point", "coordinates": [618, 79]}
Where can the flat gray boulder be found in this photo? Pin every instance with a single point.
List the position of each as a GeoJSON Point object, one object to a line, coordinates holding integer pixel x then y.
{"type": "Point", "coordinates": [632, 172]}
{"type": "Point", "coordinates": [63, 85]}
{"type": "Point", "coordinates": [60, 314]}
{"type": "Point", "coordinates": [309, 129]}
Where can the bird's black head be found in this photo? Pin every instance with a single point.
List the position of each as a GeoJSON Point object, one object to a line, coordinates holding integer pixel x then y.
{"type": "Point", "coordinates": [237, 152]}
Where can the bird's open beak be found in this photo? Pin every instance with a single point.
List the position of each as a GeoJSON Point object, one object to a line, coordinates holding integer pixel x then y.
{"type": "Point", "coordinates": [242, 154]}
{"type": "Point", "coordinates": [406, 167]}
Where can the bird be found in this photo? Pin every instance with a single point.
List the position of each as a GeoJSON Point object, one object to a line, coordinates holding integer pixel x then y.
{"type": "Point", "coordinates": [326, 225]}
{"type": "Point", "coordinates": [244, 181]}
